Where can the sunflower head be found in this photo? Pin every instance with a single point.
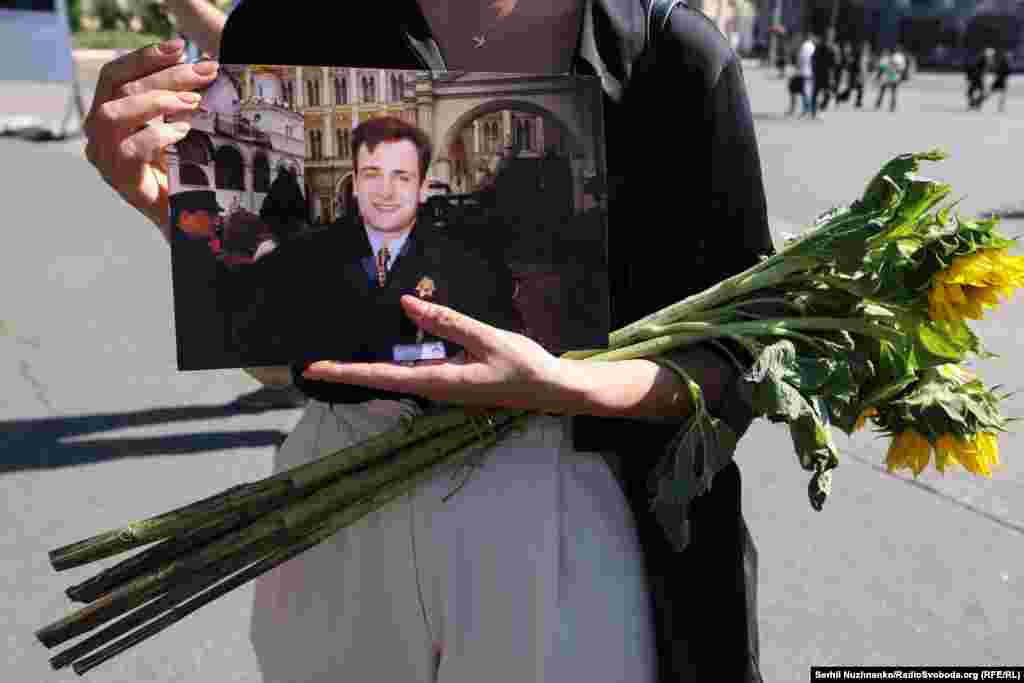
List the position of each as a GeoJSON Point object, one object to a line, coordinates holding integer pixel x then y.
{"type": "Point", "coordinates": [908, 450]}
{"type": "Point", "coordinates": [974, 282]}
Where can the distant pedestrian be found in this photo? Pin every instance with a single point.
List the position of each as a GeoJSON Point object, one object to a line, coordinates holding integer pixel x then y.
{"type": "Point", "coordinates": [796, 93]}
{"type": "Point", "coordinates": [856, 64]}
{"type": "Point", "coordinates": [975, 72]}
{"type": "Point", "coordinates": [805, 69]}
{"type": "Point", "coordinates": [1001, 70]}
{"type": "Point", "coordinates": [889, 76]}
{"type": "Point", "coordinates": [823, 64]}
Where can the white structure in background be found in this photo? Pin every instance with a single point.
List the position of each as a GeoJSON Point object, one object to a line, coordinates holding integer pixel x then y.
{"type": "Point", "coordinates": [238, 144]}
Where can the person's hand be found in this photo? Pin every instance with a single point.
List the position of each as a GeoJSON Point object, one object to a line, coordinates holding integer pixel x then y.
{"type": "Point", "coordinates": [499, 368]}
{"type": "Point", "coordinates": [141, 99]}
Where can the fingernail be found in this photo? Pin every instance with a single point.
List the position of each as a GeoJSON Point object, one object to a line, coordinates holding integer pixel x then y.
{"type": "Point", "coordinates": [205, 68]}
{"type": "Point", "coordinates": [169, 47]}
{"type": "Point", "coordinates": [189, 97]}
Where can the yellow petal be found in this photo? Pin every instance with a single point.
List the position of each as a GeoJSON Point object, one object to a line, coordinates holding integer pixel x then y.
{"type": "Point", "coordinates": [955, 295]}
{"type": "Point", "coordinates": [921, 452]}
{"type": "Point", "coordinates": [896, 456]}
{"type": "Point", "coordinates": [988, 445]}
{"type": "Point", "coordinates": [969, 456]}
{"type": "Point", "coordinates": [971, 307]}
{"type": "Point", "coordinates": [945, 452]}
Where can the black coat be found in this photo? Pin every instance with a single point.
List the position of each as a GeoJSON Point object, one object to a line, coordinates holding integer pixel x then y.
{"type": "Point", "coordinates": [202, 329]}
{"type": "Point", "coordinates": [319, 296]}
{"type": "Point", "coordinates": [685, 172]}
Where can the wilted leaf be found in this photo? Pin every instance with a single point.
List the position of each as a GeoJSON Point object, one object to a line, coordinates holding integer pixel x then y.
{"type": "Point", "coordinates": [701, 449]}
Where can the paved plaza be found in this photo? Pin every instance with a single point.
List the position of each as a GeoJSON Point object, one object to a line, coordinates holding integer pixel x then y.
{"type": "Point", "coordinates": [97, 428]}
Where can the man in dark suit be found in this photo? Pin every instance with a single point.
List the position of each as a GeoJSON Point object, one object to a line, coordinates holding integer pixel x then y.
{"type": "Point", "coordinates": [362, 267]}
{"type": "Point", "coordinates": [200, 317]}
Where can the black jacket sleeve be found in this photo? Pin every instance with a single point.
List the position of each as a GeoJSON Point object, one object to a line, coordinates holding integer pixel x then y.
{"type": "Point", "coordinates": [688, 206]}
{"type": "Point", "coordinates": [687, 210]}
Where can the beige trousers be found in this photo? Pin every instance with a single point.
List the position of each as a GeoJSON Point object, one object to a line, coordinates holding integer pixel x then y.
{"type": "Point", "coordinates": [531, 572]}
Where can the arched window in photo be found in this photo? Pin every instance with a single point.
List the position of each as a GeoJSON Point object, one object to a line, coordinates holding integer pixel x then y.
{"type": "Point", "coordinates": [195, 148]}
{"type": "Point", "coordinates": [228, 167]}
{"type": "Point", "coordinates": [261, 173]}
{"type": "Point", "coordinates": [191, 174]}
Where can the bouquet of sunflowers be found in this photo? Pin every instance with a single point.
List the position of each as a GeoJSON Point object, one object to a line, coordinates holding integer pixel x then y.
{"type": "Point", "coordinates": [861, 318]}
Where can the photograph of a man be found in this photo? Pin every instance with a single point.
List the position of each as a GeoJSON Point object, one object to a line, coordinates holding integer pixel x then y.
{"type": "Point", "coordinates": [334, 293]}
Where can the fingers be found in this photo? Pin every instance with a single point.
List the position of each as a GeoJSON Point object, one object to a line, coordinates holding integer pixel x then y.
{"type": "Point", "coordinates": [138, 64]}
{"type": "Point", "coordinates": [130, 113]}
{"type": "Point", "coordinates": [420, 380]}
{"type": "Point", "coordinates": [473, 335]}
{"type": "Point", "coordinates": [147, 145]}
{"type": "Point", "coordinates": [182, 77]}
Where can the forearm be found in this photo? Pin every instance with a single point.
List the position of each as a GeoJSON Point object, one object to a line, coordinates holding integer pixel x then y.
{"type": "Point", "coordinates": [201, 21]}
{"type": "Point", "coordinates": [644, 390]}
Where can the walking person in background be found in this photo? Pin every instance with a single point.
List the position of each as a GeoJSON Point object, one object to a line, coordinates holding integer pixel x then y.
{"type": "Point", "coordinates": [805, 68]}
{"type": "Point", "coordinates": [856, 65]}
{"type": "Point", "coordinates": [1001, 71]}
{"type": "Point", "coordinates": [889, 77]}
{"type": "Point", "coordinates": [975, 73]}
{"type": "Point", "coordinates": [823, 65]}
{"type": "Point", "coordinates": [795, 85]}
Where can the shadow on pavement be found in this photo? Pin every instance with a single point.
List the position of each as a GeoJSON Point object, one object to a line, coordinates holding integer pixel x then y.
{"type": "Point", "coordinates": [65, 441]}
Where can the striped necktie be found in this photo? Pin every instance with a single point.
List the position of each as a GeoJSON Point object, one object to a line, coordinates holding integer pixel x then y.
{"type": "Point", "coordinates": [382, 265]}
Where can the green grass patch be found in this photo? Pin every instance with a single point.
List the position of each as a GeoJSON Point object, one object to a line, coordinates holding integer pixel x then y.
{"type": "Point", "coordinates": [113, 40]}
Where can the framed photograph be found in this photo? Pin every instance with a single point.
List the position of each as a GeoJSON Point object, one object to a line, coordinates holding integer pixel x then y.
{"type": "Point", "coordinates": [306, 201]}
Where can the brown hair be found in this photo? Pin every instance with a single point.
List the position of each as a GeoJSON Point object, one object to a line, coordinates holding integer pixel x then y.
{"type": "Point", "coordinates": [391, 129]}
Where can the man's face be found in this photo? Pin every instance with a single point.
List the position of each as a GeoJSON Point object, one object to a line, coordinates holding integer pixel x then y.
{"type": "Point", "coordinates": [198, 223]}
{"type": "Point", "coordinates": [387, 185]}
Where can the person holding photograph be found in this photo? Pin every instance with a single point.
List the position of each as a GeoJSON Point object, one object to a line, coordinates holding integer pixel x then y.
{"type": "Point", "coordinates": [543, 566]}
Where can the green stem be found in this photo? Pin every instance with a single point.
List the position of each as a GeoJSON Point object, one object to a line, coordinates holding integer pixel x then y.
{"type": "Point", "coordinates": [301, 542]}
{"type": "Point", "coordinates": [276, 528]}
{"type": "Point", "coordinates": [769, 273]}
{"type": "Point", "coordinates": [684, 334]}
{"type": "Point", "coordinates": [256, 494]}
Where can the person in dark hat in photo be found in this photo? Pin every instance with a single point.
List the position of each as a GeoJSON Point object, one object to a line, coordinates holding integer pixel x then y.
{"type": "Point", "coordinates": [201, 319]}
{"type": "Point", "coordinates": [197, 215]}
